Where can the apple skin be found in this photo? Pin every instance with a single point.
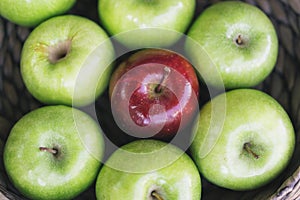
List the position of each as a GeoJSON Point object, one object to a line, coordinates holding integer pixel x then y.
{"type": "Point", "coordinates": [31, 13]}
{"type": "Point", "coordinates": [146, 23]}
{"type": "Point", "coordinates": [67, 60]}
{"type": "Point", "coordinates": [253, 117]}
{"type": "Point", "coordinates": [39, 174]}
{"type": "Point", "coordinates": [150, 169]}
{"type": "Point", "coordinates": [216, 30]}
{"type": "Point", "coordinates": [141, 111]}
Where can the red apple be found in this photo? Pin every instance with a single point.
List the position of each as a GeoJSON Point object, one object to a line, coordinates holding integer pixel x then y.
{"type": "Point", "coordinates": [154, 93]}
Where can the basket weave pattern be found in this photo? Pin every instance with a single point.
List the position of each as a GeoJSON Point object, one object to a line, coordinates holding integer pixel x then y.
{"type": "Point", "coordinates": [283, 84]}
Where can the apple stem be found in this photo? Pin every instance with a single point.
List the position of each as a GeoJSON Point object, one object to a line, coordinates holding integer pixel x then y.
{"type": "Point", "coordinates": [247, 147]}
{"type": "Point", "coordinates": [239, 40]}
{"type": "Point", "coordinates": [50, 150]}
{"type": "Point", "coordinates": [156, 196]}
{"type": "Point", "coordinates": [167, 72]}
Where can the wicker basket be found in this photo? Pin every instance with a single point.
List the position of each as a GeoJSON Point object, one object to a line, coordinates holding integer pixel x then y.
{"type": "Point", "coordinates": [283, 84]}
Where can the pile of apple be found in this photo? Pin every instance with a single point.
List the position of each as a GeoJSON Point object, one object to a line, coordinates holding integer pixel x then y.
{"type": "Point", "coordinates": [152, 65]}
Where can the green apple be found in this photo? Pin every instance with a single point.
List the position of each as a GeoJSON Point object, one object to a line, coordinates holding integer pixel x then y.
{"type": "Point", "coordinates": [54, 152]}
{"type": "Point", "coordinates": [146, 23]}
{"type": "Point", "coordinates": [240, 40]}
{"type": "Point", "coordinates": [252, 145]}
{"type": "Point", "coordinates": [149, 169]}
{"type": "Point", "coordinates": [67, 60]}
{"type": "Point", "coordinates": [31, 13]}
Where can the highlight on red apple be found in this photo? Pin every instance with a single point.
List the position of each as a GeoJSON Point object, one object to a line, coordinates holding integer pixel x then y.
{"type": "Point", "coordinates": [154, 93]}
